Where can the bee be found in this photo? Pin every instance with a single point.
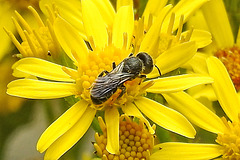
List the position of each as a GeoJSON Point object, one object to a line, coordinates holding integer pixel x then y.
{"type": "Point", "coordinates": [130, 68]}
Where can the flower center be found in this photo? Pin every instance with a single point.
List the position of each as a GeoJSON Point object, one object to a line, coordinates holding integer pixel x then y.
{"type": "Point", "coordinates": [100, 60]}
{"type": "Point", "coordinates": [33, 47]}
{"type": "Point", "coordinates": [230, 140]}
{"type": "Point", "coordinates": [231, 59]}
{"type": "Point", "coordinates": [135, 141]}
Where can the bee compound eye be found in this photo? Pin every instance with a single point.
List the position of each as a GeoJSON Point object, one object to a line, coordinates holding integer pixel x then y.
{"type": "Point", "coordinates": [147, 62]}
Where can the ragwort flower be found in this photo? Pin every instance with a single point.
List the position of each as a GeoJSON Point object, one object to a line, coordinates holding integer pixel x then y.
{"type": "Point", "coordinates": [136, 142]}
{"type": "Point", "coordinates": [40, 42]}
{"type": "Point", "coordinates": [154, 33]}
{"type": "Point", "coordinates": [215, 19]}
{"type": "Point", "coordinates": [108, 42]}
{"type": "Point", "coordinates": [6, 10]}
{"type": "Point", "coordinates": [227, 128]}
{"type": "Point", "coordinates": [70, 10]}
{"type": "Point", "coordinates": [8, 103]}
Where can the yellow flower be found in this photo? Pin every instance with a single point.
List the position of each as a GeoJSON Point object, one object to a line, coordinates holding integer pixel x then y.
{"type": "Point", "coordinates": [227, 131]}
{"type": "Point", "coordinates": [109, 40]}
{"type": "Point", "coordinates": [40, 42]}
{"type": "Point", "coordinates": [70, 10]}
{"type": "Point", "coordinates": [9, 104]}
{"type": "Point", "coordinates": [6, 10]}
{"type": "Point", "coordinates": [159, 22]}
{"type": "Point", "coordinates": [214, 18]}
{"type": "Point", "coordinates": [136, 142]}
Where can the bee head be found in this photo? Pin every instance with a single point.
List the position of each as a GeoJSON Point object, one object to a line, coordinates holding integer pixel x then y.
{"type": "Point", "coordinates": [147, 62]}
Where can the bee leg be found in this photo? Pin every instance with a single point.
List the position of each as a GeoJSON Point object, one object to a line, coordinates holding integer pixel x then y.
{"type": "Point", "coordinates": [102, 73]}
{"type": "Point", "coordinates": [123, 89]}
{"type": "Point", "coordinates": [116, 95]}
{"type": "Point", "coordinates": [142, 76]}
{"type": "Point", "coordinates": [113, 65]}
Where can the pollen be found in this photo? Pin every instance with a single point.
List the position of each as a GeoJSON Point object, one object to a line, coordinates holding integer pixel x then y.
{"type": "Point", "coordinates": [135, 141]}
{"type": "Point", "coordinates": [230, 140]}
{"type": "Point", "coordinates": [231, 59]}
{"type": "Point", "coordinates": [40, 42]}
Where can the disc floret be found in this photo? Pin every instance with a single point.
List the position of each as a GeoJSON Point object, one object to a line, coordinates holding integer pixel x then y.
{"type": "Point", "coordinates": [230, 140]}
{"type": "Point", "coordinates": [135, 141]}
{"type": "Point", "coordinates": [231, 59]}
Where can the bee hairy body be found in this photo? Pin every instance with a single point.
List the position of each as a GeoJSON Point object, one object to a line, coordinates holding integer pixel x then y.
{"type": "Point", "coordinates": [129, 69]}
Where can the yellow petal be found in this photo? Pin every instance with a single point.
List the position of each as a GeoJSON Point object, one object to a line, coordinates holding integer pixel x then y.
{"type": "Point", "coordinates": [94, 24]}
{"type": "Point", "coordinates": [195, 111]}
{"type": "Point", "coordinates": [203, 91]}
{"type": "Point", "coordinates": [121, 3]}
{"type": "Point", "coordinates": [42, 68]}
{"type": "Point", "coordinates": [197, 21]}
{"type": "Point", "coordinates": [112, 123]}
{"type": "Point", "coordinates": [153, 8]}
{"type": "Point", "coordinates": [178, 83]}
{"type": "Point", "coordinates": [218, 23]}
{"type": "Point", "coordinates": [123, 24]}
{"type": "Point", "coordinates": [72, 136]}
{"type": "Point", "coordinates": [36, 89]}
{"type": "Point", "coordinates": [151, 39]}
{"type": "Point", "coordinates": [70, 40]}
{"type": "Point", "coordinates": [201, 37]}
{"type": "Point", "coordinates": [106, 10]}
{"type": "Point", "coordinates": [224, 88]}
{"type": "Point", "coordinates": [18, 73]}
{"type": "Point", "coordinates": [198, 63]}
{"type": "Point", "coordinates": [69, 10]}
{"type": "Point", "coordinates": [166, 117]}
{"type": "Point", "coordinates": [186, 151]}
{"type": "Point", "coordinates": [131, 110]}
{"type": "Point", "coordinates": [185, 8]}
{"type": "Point", "coordinates": [61, 125]}
{"type": "Point", "coordinates": [174, 58]}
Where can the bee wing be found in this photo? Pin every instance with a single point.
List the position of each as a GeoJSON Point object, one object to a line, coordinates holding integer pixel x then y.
{"type": "Point", "coordinates": [118, 69]}
{"type": "Point", "coordinates": [108, 84]}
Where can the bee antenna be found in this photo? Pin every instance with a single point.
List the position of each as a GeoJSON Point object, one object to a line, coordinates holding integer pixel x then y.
{"type": "Point", "coordinates": [113, 65]}
{"type": "Point", "coordinates": [130, 55]}
{"type": "Point", "coordinates": [158, 69]}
